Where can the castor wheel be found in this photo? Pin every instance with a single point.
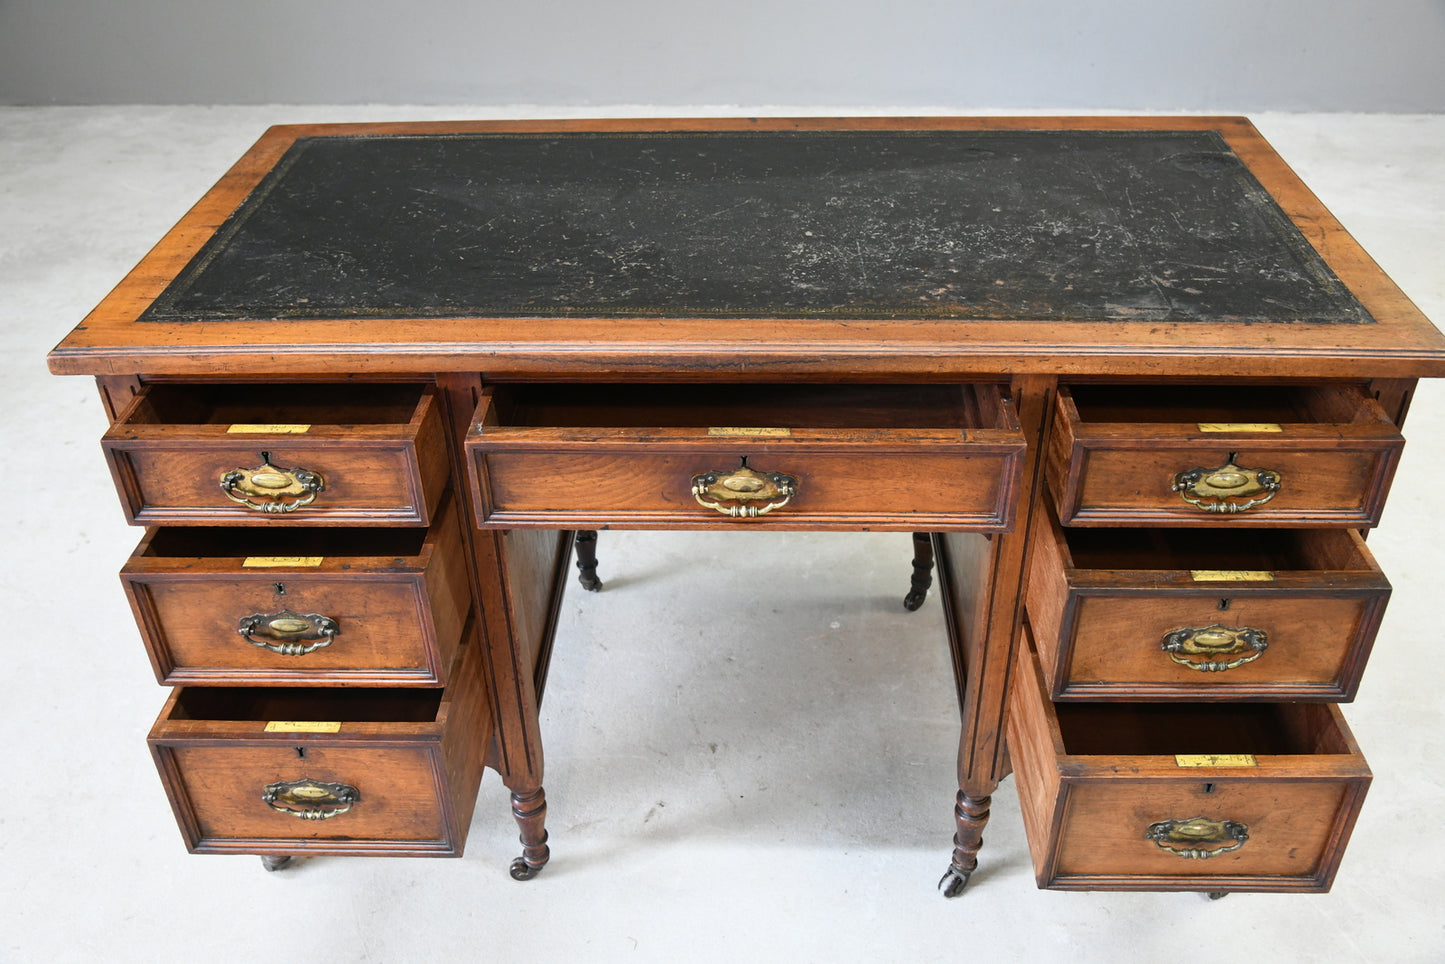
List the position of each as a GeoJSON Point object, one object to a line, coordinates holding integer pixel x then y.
{"type": "Point", "coordinates": [275, 863]}
{"type": "Point", "coordinates": [914, 599]}
{"type": "Point", "coordinates": [953, 882]}
{"type": "Point", "coordinates": [1218, 894]}
{"type": "Point", "coordinates": [521, 870]}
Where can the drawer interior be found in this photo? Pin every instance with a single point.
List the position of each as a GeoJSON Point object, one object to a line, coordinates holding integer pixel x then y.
{"type": "Point", "coordinates": [1174, 404]}
{"type": "Point", "coordinates": [1279, 550]}
{"type": "Point", "coordinates": [620, 405]}
{"type": "Point", "coordinates": [202, 542]}
{"type": "Point", "coordinates": [318, 403]}
{"type": "Point", "coordinates": [1165, 729]}
{"type": "Point", "coordinates": [258, 704]}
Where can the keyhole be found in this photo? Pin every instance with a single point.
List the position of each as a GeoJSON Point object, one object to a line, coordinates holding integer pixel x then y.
{"type": "Point", "coordinates": [281, 589]}
{"type": "Point", "coordinates": [1224, 604]}
{"type": "Point", "coordinates": [1209, 788]}
{"type": "Point", "coordinates": [301, 752]}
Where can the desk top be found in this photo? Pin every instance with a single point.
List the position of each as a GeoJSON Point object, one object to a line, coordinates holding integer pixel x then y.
{"type": "Point", "coordinates": [887, 246]}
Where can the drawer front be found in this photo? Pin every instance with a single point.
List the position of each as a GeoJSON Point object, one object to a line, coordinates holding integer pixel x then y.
{"type": "Point", "coordinates": [809, 477]}
{"type": "Point", "coordinates": [300, 619]}
{"type": "Point", "coordinates": [1237, 472]}
{"type": "Point", "coordinates": [1139, 632]}
{"type": "Point", "coordinates": [398, 791]}
{"type": "Point", "coordinates": [339, 771]}
{"type": "Point", "coordinates": [1264, 799]}
{"type": "Point", "coordinates": [268, 473]}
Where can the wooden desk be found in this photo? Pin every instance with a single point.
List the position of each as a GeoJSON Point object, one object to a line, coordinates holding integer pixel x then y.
{"type": "Point", "coordinates": [1131, 384]}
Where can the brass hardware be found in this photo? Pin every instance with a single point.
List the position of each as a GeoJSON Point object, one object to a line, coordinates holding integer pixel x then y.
{"type": "Point", "coordinates": [271, 488]}
{"type": "Point", "coordinates": [1191, 838]}
{"type": "Point", "coordinates": [309, 799]}
{"type": "Point", "coordinates": [1231, 575]}
{"type": "Point", "coordinates": [1221, 490]}
{"type": "Point", "coordinates": [1215, 760]}
{"type": "Point", "coordinates": [751, 432]}
{"type": "Point", "coordinates": [288, 633]}
{"type": "Point", "coordinates": [303, 726]}
{"type": "Point", "coordinates": [1215, 641]}
{"type": "Point", "coordinates": [267, 429]}
{"type": "Point", "coordinates": [1240, 427]}
{"type": "Point", "coordinates": [743, 488]}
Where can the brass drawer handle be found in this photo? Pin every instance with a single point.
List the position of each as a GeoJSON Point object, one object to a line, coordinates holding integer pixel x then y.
{"type": "Point", "coordinates": [309, 799]}
{"type": "Point", "coordinates": [270, 488]}
{"type": "Point", "coordinates": [743, 493]}
{"type": "Point", "coordinates": [1215, 641]}
{"type": "Point", "coordinates": [1221, 490]}
{"type": "Point", "coordinates": [1192, 838]}
{"type": "Point", "coordinates": [288, 633]}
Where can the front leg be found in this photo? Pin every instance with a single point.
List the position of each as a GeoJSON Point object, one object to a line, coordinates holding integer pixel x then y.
{"type": "Point", "coordinates": [530, 809]}
{"type": "Point", "coordinates": [971, 815]}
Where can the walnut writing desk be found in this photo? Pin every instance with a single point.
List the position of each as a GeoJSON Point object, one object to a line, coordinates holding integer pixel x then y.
{"type": "Point", "coordinates": [1126, 380]}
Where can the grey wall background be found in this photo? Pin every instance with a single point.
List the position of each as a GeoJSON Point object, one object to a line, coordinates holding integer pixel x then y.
{"type": "Point", "coordinates": [1357, 55]}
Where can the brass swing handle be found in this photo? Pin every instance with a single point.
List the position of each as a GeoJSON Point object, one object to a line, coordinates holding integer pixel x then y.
{"type": "Point", "coordinates": [743, 493]}
{"type": "Point", "coordinates": [1227, 489]}
{"type": "Point", "coordinates": [271, 488]}
{"type": "Point", "coordinates": [1215, 641]}
{"type": "Point", "coordinates": [308, 799]}
{"type": "Point", "coordinates": [1193, 839]}
{"type": "Point", "coordinates": [288, 633]}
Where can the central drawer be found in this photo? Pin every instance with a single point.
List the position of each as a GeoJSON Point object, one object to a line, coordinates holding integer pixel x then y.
{"type": "Point", "coordinates": [909, 457]}
{"type": "Point", "coordinates": [1182, 796]}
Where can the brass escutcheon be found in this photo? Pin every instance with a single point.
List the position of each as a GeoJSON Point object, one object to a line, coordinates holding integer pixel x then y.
{"type": "Point", "coordinates": [288, 633]}
{"type": "Point", "coordinates": [743, 493]}
{"type": "Point", "coordinates": [270, 488]}
{"type": "Point", "coordinates": [1191, 838]}
{"type": "Point", "coordinates": [308, 799]}
{"type": "Point", "coordinates": [1215, 641]}
{"type": "Point", "coordinates": [1226, 489]}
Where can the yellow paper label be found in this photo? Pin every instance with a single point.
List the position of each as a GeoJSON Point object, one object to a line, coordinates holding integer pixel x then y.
{"type": "Point", "coordinates": [273, 428]}
{"type": "Point", "coordinates": [1240, 427]}
{"type": "Point", "coordinates": [1231, 575]}
{"type": "Point", "coordinates": [754, 432]}
{"type": "Point", "coordinates": [1215, 760]}
{"type": "Point", "coordinates": [274, 562]}
{"type": "Point", "coordinates": [302, 726]}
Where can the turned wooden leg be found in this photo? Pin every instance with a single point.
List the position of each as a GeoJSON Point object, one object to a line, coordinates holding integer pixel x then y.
{"type": "Point", "coordinates": [530, 809]}
{"type": "Point", "coordinates": [586, 544]}
{"type": "Point", "coordinates": [922, 571]}
{"type": "Point", "coordinates": [971, 814]}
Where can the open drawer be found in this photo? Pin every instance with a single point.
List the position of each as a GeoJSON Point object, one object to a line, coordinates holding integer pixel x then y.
{"type": "Point", "coordinates": [910, 457]}
{"type": "Point", "coordinates": [281, 771]}
{"type": "Point", "coordinates": [1220, 455]}
{"type": "Point", "coordinates": [1201, 614]}
{"type": "Point", "coordinates": [301, 606]}
{"type": "Point", "coordinates": [1182, 796]}
{"type": "Point", "coordinates": [251, 453]}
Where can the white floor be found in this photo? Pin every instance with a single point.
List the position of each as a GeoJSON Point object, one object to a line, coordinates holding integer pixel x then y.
{"type": "Point", "coordinates": [750, 744]}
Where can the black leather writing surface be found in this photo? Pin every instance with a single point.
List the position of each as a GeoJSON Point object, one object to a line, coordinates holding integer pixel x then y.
{"type": "Point", "coordinates": [1048, 226]}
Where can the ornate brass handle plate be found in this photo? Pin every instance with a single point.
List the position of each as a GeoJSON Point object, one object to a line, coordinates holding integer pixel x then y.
{"type": "Point", "coordinates": [743, 493]}
{"type": "Point", "coordinates": [288, 633]}
{"type": "Point", "coordinates": [1213, 642]}
{"type": "Point", "coordinates": [1227, 489]}
{"type": "Point", "coordinates": [309, 799]}
{"type": "Point", "coordinates": [271, 488]}
{"type": "Point", "coordinates": [1194, 839]}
